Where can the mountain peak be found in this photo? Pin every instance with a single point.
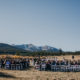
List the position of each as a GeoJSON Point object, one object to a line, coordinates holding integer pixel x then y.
{"type": "Point", "coordinates": [31, 47]}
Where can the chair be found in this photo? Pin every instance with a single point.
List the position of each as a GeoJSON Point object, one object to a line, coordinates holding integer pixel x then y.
{"type": "Point", "coordinates": [37, 66]}
{"type": "Point", "coordinates": [18, 67]}
{"type": "Point", "coordinates": [13, 67]}
{"type": "Point", "coordinates": [7, 66]}
{"type": "Point", "coordinates": [43, 67]}
{"type": "Point", "coordinates": [0, 65]}
{"type": "Point", "coordinates": [21, 66]}
{"type": "Point", "coordinates": [53, 67]}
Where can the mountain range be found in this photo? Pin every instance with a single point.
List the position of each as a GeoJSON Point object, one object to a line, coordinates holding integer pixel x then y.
{"type": "Point", "coordinates": [33, 48]}
{"type": "Point", "coordinates": [26, 47]}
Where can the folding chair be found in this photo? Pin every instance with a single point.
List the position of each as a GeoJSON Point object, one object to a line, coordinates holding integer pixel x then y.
{"type": "Point", "coordinates": [0, 65]}
{"type": "Point", "coordinates": [13, 67]}
{"type": "Point", "coordinates": [21, 66]}
{"type": "Point", "coordinates": [74, 68]}
{"type": "Point", "coordinates": [53, 68]}
{"type": "Point", "coordinates": [18, 67]}
{"type": "Point", "coordinates": [57, 68]}
{"type": "Point", "coordinates": [78, 67]}
{"type": "Point", "coordinates": [71, 68]}
{"type": "Point", "coordinates": [7, 66]}
{"type": "Point", "coordinates": [43, 67]}
{"type": "Point", "coordinates": [37, 66]}
{"type": "Point", "coordinates": [63, 68]}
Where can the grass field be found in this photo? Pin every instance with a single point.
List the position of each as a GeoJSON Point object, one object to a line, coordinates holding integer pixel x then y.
{"type": "Point", "coordinates": [32, 74]}
{"type": "Point", "coordinates": [38, 75]}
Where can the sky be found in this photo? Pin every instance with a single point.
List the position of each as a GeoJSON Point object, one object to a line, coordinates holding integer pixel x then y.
{"type": "Point", "coordinates": [41, 22]}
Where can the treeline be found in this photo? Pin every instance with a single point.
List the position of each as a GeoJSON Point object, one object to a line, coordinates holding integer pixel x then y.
{"type": "Point", "coordinates": [8, 49]}
{"type": "Point", "coordinates": [42, 53]}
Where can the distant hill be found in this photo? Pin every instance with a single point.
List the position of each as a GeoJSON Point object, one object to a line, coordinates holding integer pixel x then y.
{"type": "Point", "coordinates": [25, 49]}
{"type": "Point", "coordinates": [6, 47]}
{"type": "Point", "coordinates": [33, 48]}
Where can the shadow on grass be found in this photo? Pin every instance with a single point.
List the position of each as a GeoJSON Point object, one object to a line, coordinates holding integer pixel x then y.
{"type": "Point", "coordinates": [4, 75]}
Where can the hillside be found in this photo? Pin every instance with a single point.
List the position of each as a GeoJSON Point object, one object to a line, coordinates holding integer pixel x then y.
{"type": "Point", "coordinates": [33, 48]}
{"type": "Point", "coordinates": [9, 48]}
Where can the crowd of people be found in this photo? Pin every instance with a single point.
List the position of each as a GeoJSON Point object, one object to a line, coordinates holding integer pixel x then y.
{"type": "Point", "coordinates": [14, 63]}
{"type": "Point", "coordinates": [54, 64]}
{"type": "Point", "coordinates": [40, 64]}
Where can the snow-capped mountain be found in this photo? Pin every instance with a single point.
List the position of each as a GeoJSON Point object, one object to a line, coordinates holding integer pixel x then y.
{"type": "Point", "coordinates": [31, 47]}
